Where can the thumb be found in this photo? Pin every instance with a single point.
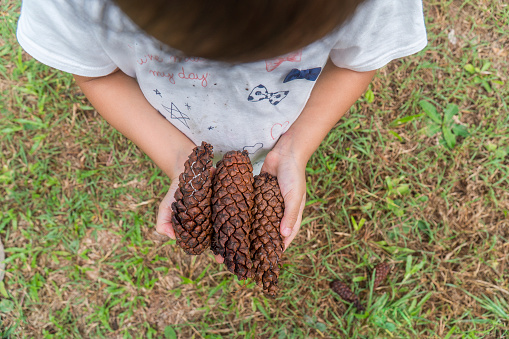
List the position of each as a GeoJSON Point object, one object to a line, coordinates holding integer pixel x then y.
{"type": "Point", "coordinates": [288, 240]}
{"type": "Point", "coordinates": [294, 205]}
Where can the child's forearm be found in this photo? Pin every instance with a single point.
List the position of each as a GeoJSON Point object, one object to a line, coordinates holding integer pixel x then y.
{"type": "Point", "coordinates": [335, 92]}
{"type": "Point", "coordinates": [118, 98]}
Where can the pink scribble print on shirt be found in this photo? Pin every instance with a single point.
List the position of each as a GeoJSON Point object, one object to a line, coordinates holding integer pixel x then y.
{"type": "Point", "coordinates": [272, 64]}
{"type": "Point", "coordinates": [278, 129]}
{"type": "Point", "coordinates": [149, 57]}
{"type": "Point", "coordinates": [194, 76]}
{"type": "Point", "coordinates": [170, 76]}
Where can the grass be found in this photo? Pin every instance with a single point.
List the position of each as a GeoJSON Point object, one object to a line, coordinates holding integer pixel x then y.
{"type": "Point", "coordinates": [79, 202]}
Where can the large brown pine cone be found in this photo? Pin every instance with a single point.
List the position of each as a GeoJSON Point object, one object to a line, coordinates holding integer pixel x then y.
{"type": "Point", "coordinates": [266, 241]}
{"type": "Point", "coordinates": [232, 201]}
{"type": "Point", "coordinates": [192, 206]}
{"type": "Point", "coordinates": [346, 293]}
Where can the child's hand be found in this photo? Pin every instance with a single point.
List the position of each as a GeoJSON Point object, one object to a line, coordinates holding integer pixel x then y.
{"type": "Point", "coordinates": [290, 173]}
{"type": "Point", "coordinates": [163, 224]}
{"type": "Point", "coordinates": [335, 91]}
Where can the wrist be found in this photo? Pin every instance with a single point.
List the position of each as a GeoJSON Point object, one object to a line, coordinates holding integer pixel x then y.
{"type": "Point", "coordinates": [290, 145]}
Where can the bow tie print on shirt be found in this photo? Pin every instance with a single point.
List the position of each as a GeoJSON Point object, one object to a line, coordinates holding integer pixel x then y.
{"type": "Point", "coordinates": [272, 64]}
{"type": "Point", "coordinates": [260, 93]}
{"type": "Point", "coordinates": [306, 74]}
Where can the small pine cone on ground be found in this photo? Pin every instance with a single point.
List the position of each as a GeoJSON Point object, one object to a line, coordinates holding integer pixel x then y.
{"type": "Point", "coordinates": [192, 206]}
{"type": "Point", "coordinates": [381, 272]}
{"type": "Point", "coordinates": [346, 294]}
{"type": "Point", "coordinates": [266, 241]}
{"type": "Point", "coordinates": [232, 202]}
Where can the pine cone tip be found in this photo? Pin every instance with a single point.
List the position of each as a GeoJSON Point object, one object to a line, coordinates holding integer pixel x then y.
{"type": "Point", "coordinates": [381, 272]}
{"type": "Point", "coordinates": [346, 294]}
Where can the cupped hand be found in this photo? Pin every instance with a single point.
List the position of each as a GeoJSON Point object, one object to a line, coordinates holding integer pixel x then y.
{"type": "Point", "coordinates": [164, 225]}
{"type": "Point", "coordinates": [291, 176]}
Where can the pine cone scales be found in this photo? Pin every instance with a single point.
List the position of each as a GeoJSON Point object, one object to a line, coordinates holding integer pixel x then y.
{"type": "Point", "coordinates": [192, 206]}
{"type": "Point", "coordinates": [266, 241]}
{"type": "Point", "coordinates": [381, 272]}
{"type": "Point", "coordinates": [220, 212]}
{"type": "Point", "coordinates": [346, 294]}
{"type": "Point", "coordinates": [232, 201]}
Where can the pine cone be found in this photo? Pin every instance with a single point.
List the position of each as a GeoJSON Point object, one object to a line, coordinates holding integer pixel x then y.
{"type": "Point", "coordinates": [346, 293]}
{"type": "Point", "coordinates": [266, 241]}
{"type": "Point", "coordinates": [232, 201]}
{"type": "Point", "coordinates": [192, 206]}
{"type": "Point", "coordinates": [381, 272]}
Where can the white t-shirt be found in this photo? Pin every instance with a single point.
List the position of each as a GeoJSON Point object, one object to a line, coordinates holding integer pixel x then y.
{"type": "Point", "coordinates": [233, 107]}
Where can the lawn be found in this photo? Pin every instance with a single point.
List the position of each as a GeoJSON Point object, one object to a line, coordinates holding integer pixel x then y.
{"type": "Point", "coordinates": [415, 175]}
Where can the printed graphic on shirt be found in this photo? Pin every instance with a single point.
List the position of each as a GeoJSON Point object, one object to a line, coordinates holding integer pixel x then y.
{"type": "Point", "coordinates": [260, 93]}
{"type": "Point", "coordinates": [202, 78]}
{"type": "Point", "coordinates": [306, 74]}
{"type": "Point", "coordinates": [175, 113]}
{"type": "Point", "coordinates": [278, 129]}
{"type": "Point", "coordinates": [272, 64]}
{"type": "Point", "coordinates": [153, 62]}
{"type": "Point", "coordinates": [253, 149]}
{"type": "Point", "coordinates": [184, 74]}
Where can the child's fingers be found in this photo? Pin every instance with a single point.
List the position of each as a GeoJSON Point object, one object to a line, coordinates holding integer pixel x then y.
{"type": "Point", "coordinates": [163, 224]}
{"type": "Point", "coordinates": [166, 229]}
{"type": "Point", "coordinates": [294, 205]}
{"type": "Point", "coordinates": [219, 259]}
{"type": "Point", "coordinates": [296, 228]}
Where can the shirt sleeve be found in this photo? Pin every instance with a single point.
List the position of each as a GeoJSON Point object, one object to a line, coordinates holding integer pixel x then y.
{"type": "Point", "coordinates": [59, 34]}
{"type": "Point", "coordinates": [379, 32]}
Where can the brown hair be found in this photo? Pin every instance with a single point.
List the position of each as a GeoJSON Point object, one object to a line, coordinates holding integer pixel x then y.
{"type": "Point", "coordinates": [238, 30]}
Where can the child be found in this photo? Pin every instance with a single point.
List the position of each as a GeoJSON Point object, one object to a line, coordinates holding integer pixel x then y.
{"type": "Point", "coordinates": [270, 77]}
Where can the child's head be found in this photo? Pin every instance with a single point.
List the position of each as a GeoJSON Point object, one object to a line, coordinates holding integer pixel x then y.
{"type": "Point", "coordinates": [238, 30]}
